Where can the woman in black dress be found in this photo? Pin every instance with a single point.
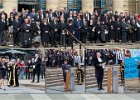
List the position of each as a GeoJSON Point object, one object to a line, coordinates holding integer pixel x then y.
{"type": "Point", "coordinates": [2, 72]}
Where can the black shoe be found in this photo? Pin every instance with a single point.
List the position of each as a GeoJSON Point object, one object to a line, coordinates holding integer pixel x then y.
{"type": "Point", "coordinates": [37, 82]}
{"type": "Point", "coordinates": [99, 89]}
{"type": "Point", "coordinates": [102, 89]}
{"type": "Point", "coordinates": [32, 82]}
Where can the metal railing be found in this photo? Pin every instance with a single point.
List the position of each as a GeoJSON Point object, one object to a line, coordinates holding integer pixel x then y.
{"type": "Point", "coordinates": [78, 41]}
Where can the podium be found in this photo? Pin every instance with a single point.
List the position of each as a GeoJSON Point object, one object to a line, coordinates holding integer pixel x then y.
{"type": "Point", "coordinates": [67, 81]}
{"type": "Point", "coordinates": [70, 80]}
{"type": "Point", "coordinates": [115, 79]}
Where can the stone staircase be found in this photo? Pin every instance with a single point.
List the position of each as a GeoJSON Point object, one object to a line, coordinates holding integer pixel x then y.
{"type": "Point", "coordinates": [91, 80]}
{"type": "Point", "coordinates": [54, 77]}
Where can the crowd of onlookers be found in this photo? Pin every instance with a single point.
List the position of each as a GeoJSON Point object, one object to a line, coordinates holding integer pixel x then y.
{"type": "Point", "coordinates": [55, 58]}
{"type": "Point", "coordinates": [57, 27]}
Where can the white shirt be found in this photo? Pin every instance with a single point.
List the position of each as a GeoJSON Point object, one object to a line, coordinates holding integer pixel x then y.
{"type": "Point", "coordinates": [100, 60]}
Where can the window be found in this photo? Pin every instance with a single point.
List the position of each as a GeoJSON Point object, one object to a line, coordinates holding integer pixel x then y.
{"type": "Point", "coordinates": [74, 5]}
{"type": "Point", "coordinates": [1, 4]}
{"type": "Point", "coordinates": [43, 4]}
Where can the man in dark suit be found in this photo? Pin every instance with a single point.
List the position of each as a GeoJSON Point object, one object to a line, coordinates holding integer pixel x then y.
{"type": "Point", "coordinates": [3, 29]}
{"type": "Point", "coordinates": [16, 29]}
{"type": "Point", "coordinates": [37, 67]}
{"type": "Point", "coordinates": [33, 14]}
{"type": "Point", "coordinates": [124, 27]}
{"type": "Point", "coordinates": [54, 31]}
{"type": "Point", "coordinates": [77, 27]}
{"type": "Point", "coordinates": [88, 17]}
{"type": "Point", "coordinates": [99, 69]}
{"type": "Point", "coordinates": [41, 15]}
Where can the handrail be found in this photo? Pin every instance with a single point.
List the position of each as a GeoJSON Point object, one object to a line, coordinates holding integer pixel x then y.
{"type": "Point", "coordinates": [81, 44]}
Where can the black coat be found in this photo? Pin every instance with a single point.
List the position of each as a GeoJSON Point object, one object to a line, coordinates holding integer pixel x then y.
{"type": "Point", "coordinates": [16, 25]}
{"type": "Point", "coordinates": [99, 71]}
{"type": "Point", "coordinates": [38, 64]}
{"type": "Point", "coordinates": [3, 26]}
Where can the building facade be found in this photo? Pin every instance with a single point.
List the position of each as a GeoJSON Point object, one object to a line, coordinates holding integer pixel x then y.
{"type": "Point", "coordinates": [85, 5]}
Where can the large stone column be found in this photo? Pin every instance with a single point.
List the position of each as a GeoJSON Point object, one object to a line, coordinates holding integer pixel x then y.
{"type": "Point", "coordinates": [9, 5]}
{"type": "Point", "coordinates": [52, 4]}
{"type": "Point", "coordinates": [138, 9]}
{"type": "Point", "coordinates": [88, 5]}
{"type": "Point", "coordinates": [118, 5]}
{"type": "Point", "coordinates": [124, 6]}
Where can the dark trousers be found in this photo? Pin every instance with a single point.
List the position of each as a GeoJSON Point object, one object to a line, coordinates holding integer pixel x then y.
{"type": "Point", "coordinates": [3, 38]}
{"type": "Point", "coordinates": [63, 39]}
{"type": "Point", "coordinates": [16, 38]}
{"type": "Point", "coordinates": [99, 76]}
{"type": "Point", "coordinates": [138, 34]}
{"type": "Point", "coordinates": [30, 74]}
{"type": "Point", "coordinates": [124, 36]}
{"type": "Point", "coordinates": [36, 72]}
{"type": "Point", "coordinates": [53, 39]}
{"type": "Point", "coordinates": [78, 35]}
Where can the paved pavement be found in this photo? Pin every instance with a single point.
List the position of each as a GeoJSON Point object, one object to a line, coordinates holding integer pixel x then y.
{"type": "Point", "coordinates": [96, 91]}
{"type": "Point", "coordinates": [69, 97]}
{"type": "Point", "coordinates": [25, 87]}
{"type": "Point", "coordinates": [60, 89]}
